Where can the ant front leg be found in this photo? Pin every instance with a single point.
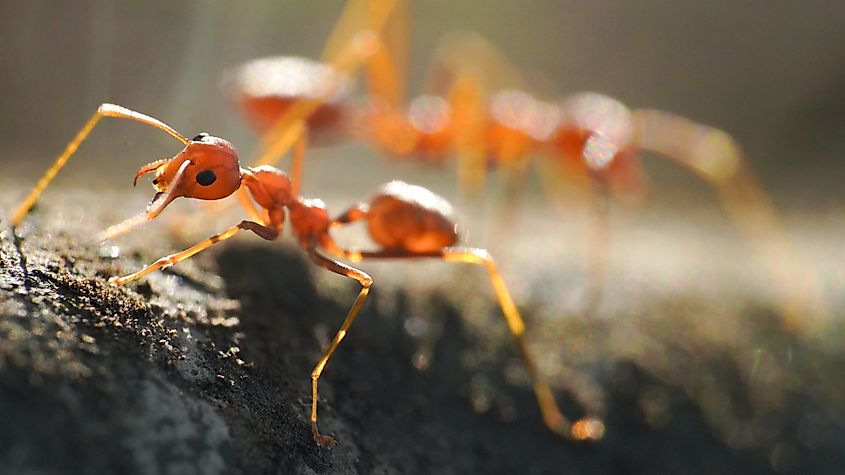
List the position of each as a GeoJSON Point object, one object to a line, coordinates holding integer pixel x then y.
{"type": "Point", "coordinates": [262, 231]}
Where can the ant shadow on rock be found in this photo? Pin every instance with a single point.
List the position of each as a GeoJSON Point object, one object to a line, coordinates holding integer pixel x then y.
{"type": "Point", "coordinates": [392, 414]}
{"type": "Point", "coordinates": [376, 399]}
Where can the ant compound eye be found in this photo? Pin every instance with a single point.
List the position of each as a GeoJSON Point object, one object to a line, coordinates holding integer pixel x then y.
{"type": "Point", "coordinates": [199, 137]}
{"type": "Point", "coordinates": [206, 177]}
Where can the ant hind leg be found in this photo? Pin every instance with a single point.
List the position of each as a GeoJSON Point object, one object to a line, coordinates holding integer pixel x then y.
{"type": "Point", "coordinates": [583, 429]}
{"type": "Point", "coordinates": [366, 282]}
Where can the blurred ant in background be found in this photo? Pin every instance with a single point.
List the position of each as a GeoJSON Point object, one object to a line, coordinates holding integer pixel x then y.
{"type": "Point", "coordinates": [588, 138]}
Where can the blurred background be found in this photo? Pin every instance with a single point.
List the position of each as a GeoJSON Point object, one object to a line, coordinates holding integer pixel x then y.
{"type": "Point", "coordinates": [772, 74]}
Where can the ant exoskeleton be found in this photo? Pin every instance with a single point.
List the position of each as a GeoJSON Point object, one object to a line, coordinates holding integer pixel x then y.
{"type": "Point", "coordinates": [405, 221]}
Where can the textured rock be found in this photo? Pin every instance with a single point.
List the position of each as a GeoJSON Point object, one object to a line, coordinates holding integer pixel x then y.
{"type": "Point", "coordinates": [204, 369]}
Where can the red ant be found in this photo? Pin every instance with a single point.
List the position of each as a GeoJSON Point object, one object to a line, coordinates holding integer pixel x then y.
{"type": "Point", "coordinates": [405, 221]}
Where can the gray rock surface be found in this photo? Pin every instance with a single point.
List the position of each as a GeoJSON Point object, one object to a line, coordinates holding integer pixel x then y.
{"type": "Point", "coordinates": [204, 369]}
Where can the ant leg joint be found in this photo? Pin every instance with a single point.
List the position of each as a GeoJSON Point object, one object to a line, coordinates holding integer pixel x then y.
{"type": "Point", "coordinates": [323, 440]}
{"type": "Point", "coordinates": [353, 256]}
{"type": "Point", "coordinates": [166, 262]}
{"type": "Point", "coordinates": [469, 255]}
{"type": "Point", "coordinates": [264, 232]}
{"type": "Point", "coordinates": [483, 254]}
{"type": "Point", "coordinates": [366, 43]}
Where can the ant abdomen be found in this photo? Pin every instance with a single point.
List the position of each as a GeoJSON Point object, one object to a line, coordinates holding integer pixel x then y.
{"type": "Point", "coordinates": [410, 217]}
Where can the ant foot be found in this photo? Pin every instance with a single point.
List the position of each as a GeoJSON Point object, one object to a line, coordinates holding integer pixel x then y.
{"type": "Point", "coordinates": [323, 440]}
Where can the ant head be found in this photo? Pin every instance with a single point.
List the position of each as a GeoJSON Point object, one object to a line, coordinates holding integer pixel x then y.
{"type": "Point", "coordinates": [206, 169]}
{"type": "Point", "coordinates": [214, 172]}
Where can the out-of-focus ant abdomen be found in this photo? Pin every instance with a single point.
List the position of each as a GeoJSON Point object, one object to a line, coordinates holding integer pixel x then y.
{"type": "Point", "coordinates": [517, 123]}
{"type": "Point", "coordinates": [266, 88]}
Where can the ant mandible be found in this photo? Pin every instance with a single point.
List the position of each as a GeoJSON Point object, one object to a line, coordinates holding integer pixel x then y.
{"type": "Point", "coordinates": [406, 221]}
